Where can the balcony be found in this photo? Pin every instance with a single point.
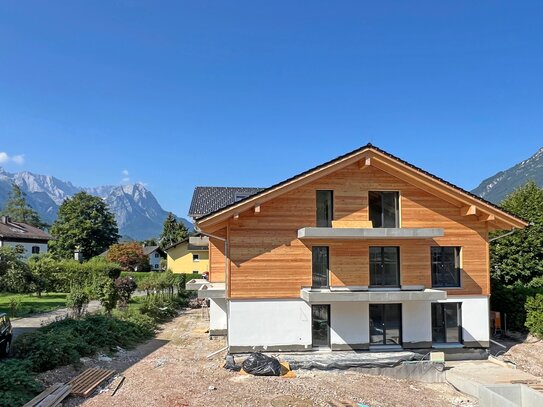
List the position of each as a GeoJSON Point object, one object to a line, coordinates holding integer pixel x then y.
{"type": "Point", "coordinates": [374, 295]}
{"type": "Point", "coordinates": [212, 290]}
{"type": "Point", "coordinates": [360, 230]}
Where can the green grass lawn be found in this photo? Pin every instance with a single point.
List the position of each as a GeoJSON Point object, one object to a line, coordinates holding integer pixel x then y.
{"type": "Point", "coordinates": [31, 303]}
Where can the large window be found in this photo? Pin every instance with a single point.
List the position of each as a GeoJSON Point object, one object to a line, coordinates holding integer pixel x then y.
{"type": "Point", "coordinates": [447, 322]}
{"type": "Point", "coordinates": [320, 267]}
{"type": "Point", "coordinates": [385, 324]}
{"type": "Point", "coordinates": [445, 266]}
{"type": "Point", "coordinates": [384, 209]}
{"type": "Point", "coordinates": [325, 208]}
{"type": "Point", "coordinates": [385, 266]}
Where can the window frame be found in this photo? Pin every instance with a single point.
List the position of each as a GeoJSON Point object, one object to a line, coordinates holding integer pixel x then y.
{"type": "Point", "coordinates": [195, 257]}
{"type": "Point", "coordinates": [313, 248]}
{"type": "Point", "coordinates": [398, 208]}
{"type": "Point", "coordinates": [35, 250]}
{"type": "Point", "coordinates": [382, 264]}
{"type": "Point", "coordinates": [458, 268]}
{"type": "Point", "coordinates": [318, 222]}
{"type": "Point", "coordinates": [442, 305]}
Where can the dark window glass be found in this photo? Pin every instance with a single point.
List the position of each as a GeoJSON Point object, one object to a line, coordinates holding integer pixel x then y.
{"type": "Point", "coordinates": [385, 324]}
{"type": "Point", "coordinates": [445, 266]}
{"type": "Point", "coordinates": [35, 250]}
{"type": "Point", "coordinates": [384, 209]}
{"type": "Point", "coordinates": [320, 266]}
{"type": "Point", "coordinates": [325, 208]}
{"type": "Point", "coordinates": [385, 266]}
{"type": "Point", "coordinates": [447, 322]}
{"type": "Point", "coordinates": [320, 325]}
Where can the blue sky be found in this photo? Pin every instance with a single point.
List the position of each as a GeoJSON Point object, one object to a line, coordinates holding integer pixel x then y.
{"type": "Point", "coordinates": [248, 93]}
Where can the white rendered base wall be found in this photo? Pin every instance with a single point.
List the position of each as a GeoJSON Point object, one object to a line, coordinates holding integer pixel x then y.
{"type": "Point", "coordinates": [217, 316]}
{"type": "Point", "coordinates": [285, 325]}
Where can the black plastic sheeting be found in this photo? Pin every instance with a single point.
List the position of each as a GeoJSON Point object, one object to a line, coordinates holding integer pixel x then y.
{"type": "Point", "coordinates": [259, 364]}
{"type": "Point", "coordinates": [342, 362]}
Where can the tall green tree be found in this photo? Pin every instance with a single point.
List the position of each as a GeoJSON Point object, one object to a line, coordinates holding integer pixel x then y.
{"type": "Point", "coordinates": [172, 232]}
{"type": "Point", "coordinates": [84, 223]}
{"type": "Point", "coordinates": [19, 210]}
{"type": "Point", "coordinates": [518, 258]}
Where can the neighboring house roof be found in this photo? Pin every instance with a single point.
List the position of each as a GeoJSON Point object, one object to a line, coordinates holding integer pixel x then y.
{"type": "Point", "coordinates": [190, 246]}
{"type": "Point", "coordinates": [147, 250]}
{"type": "Point", "coordinates": [381, 159]}
{"type": "Point", "coordinates": [209, 199]}
{"type": "Point", "coordinates": [18, 230]}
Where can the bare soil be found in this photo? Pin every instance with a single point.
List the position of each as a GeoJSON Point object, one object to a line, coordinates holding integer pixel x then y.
{"type": "Point", "coordinates": [527, 355]}
{"type": "Point", "coordinates": [172, 370]}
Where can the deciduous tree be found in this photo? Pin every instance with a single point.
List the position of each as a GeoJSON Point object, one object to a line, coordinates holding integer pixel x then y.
{"type": "Point", "coordinates": [84, 223]}
{"type": "Point", "coordinates": [129, 255]}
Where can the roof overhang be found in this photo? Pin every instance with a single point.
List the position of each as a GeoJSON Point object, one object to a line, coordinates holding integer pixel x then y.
{"type": "Point", "coordinates": [467, 203]}
{"type": "Point", "coordinates": [395, 295]}
{"type": "Point", "coordinates": [369, 233]}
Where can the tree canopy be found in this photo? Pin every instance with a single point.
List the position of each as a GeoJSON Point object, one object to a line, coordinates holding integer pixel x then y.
{"type": "Point", "coordinates": [172, 232]}
{"type": "Point", "coordinates": [518, 258]}
{"type": "Point", "coordinates": [19, 210]}
{"type": "Point", "coordinates": [84, 223]}
{"type": "Point", "coordinates": [130, 256]}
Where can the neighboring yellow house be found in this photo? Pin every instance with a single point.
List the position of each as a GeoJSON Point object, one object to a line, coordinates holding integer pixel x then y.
{"type": "Point", "coordinates": [189, 256]}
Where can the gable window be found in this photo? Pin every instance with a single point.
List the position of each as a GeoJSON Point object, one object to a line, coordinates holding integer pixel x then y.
{"type": "Point", "coordinates": [385, 266]}
{"type": "Point", "coordinates": [325, 208]}
{"type": "Point", "coordinates": [384, 208]}
{"type": "Point", "coordinates": [156, 265]}
{"type": "Point", "coordinates": [445, 266]}
{"type": "Point", "coordinates": [35, 249]}
{"type": "Point", "coordinates": [156, 255]}
{"type": "Point", "coordinates": [195, 257]}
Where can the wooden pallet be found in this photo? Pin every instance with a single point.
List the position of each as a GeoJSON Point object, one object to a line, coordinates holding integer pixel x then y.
{"type": "Point", "coordinates": [85, 384]}
{"type": "Point", "coordinates": [51, 397]}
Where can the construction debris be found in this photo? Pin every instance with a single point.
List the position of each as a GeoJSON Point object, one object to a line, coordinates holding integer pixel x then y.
{"type": "Point", "coordinates": [85, 384]}
{"type": "Point", "coordinates": [51, 397]}
{"type": "Point", "coordinates": [216, 352]}
{"type": "Point", "coordinates": [115, 384]}
{"type": "Point", "coordinates": [259, 364]}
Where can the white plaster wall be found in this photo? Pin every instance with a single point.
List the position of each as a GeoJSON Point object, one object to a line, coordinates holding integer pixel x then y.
{"type": "Point", "coordinates": [154, 261]}
{"type": "Point", "coordinates": [349, 323]}
{"type": "Point", "coordinates": [475, 317]}
{"type": "Point", "coordinates": [416, 321]}
{"type": "Point", "coordinates": [27, 246]}
{"type": "Point", "coordinates": [269, 323]}
{"type": "Point", "coordinates": [217, 314]}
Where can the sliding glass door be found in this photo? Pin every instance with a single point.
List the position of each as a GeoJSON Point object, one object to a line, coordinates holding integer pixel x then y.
{"type": "Point", "coordinates": [385, 324]}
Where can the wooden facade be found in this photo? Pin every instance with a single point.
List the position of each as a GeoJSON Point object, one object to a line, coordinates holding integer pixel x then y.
{"type": "Point", "coordinates": [267, 260]}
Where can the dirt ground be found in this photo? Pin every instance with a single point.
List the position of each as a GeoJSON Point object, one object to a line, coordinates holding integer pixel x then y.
{"type": "Point", "coordinates": [527, 355]}
{"type": "Point", "coordinates": [173, 371]}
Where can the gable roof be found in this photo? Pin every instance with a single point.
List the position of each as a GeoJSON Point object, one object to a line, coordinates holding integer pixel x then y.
{"type": "Point", "coordinates": [190, 246]}
{"type": "Point", "coordinates": [382, 160]}
{"type": "Point", "coordinates": [18, 230]}
{"type": "Point", "coordinates": [210, 199]}
{"type": "Point", "coordinates": [147, 250]}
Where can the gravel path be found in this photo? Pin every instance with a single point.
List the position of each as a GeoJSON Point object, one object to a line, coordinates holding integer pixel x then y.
{"type": "Point", "coordinates": [172, 371]}
{"type": "Point", "coordinates": [33, 322]}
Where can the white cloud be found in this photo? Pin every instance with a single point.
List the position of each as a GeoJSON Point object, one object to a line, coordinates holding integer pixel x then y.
{"type": "Point", "coordinates": [18, 159]}
{"type": "Point", "coordinates": [126, 176]}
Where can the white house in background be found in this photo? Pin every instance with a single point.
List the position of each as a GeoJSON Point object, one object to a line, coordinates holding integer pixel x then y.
{"type": "Point", "coordinates": [17, 234]}
{"type": "Point", "coordinates": [154, 254]}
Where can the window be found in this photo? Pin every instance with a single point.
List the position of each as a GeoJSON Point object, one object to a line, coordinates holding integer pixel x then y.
{"type": "Point", "coordinates": [320, 267]}
{"type": "Point", "coordinates": [320, 325]}
{"type": "Point", "coordinates": [240, 195]}
{"type": "Point", "coordinates": [35, 249]}
{"type": "Point", "coordinates": [156, 265]}
{"type": "Point", "coordinates": [385, 324]}
{"type": "Point", "coordinates": [195, 257]}
{"type": "Point", "coordinates": [157, 255]}
{"type": "Point", "coordinates": [385, 266]}
{"type": "Point", "coordinates": [384, 209]}
{"type": "Point", "coordinates": [445, 266]}
{"type": "Point", "coordinates": [447, 322]}
{"type": "Point", "coordinates": [325, 208]}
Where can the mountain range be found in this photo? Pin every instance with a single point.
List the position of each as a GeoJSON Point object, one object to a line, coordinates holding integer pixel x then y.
{"type": "Point", "coordinates": [497, 187]}
{"type": "Point", "coordinates": [137, 211]}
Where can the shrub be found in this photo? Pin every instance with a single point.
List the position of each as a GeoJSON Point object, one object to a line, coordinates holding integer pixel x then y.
{"type": "Point", "coordinates": [14, 306]}
{"type": "Point", "coordinates": [511, 300]}
{"type": "Point", "coordinates": [125, 287]}
{"type": "Point", "coordinates": [105, 291]}
{"type": "Point", "coordinates": [17, 385]}
{"type": "Point", "coordinates": [15, 275]}
{"type": "Point", "coordinates": [77, 300]}
{"type": "Point", "coordinates": [129, 255]}
{"type": "Point", "coordinates": [158, 308]}
{"type": "Point", "coordinates": [534, 315]}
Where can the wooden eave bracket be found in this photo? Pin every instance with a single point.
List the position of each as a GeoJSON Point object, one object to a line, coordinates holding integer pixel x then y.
{"type": "Point", "coordinates": [486, 217]}
{"type": "Point", "coordinates": [468, 210]}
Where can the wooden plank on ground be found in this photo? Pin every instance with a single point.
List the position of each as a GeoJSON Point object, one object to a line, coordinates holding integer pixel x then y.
{"type": "Point", "coordinates": [56, 397]}
{"type": "Point", "coordinates": [43, 395]}
{"type": "Point", "coordinates": [115, 384]}
{"type": "Point", "coordinates": [84, 384]}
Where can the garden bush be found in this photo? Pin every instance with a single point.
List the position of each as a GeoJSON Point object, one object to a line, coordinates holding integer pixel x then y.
{"type": "Point", "coordinates": [159, 308]}
{"type": "Point", "coordinates": [534, 315]}
{"type": "Point", "coordinates": [17, 385]}
{"type": "Point", "coordinates": [77, 300]}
